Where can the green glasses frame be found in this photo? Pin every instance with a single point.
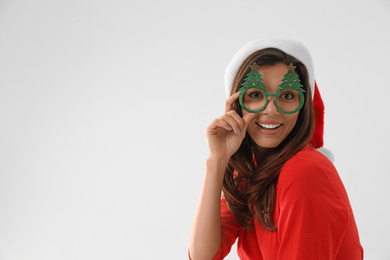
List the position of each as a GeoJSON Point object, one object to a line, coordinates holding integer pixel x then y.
{"type": "Point", "coordinates": [290, 81]}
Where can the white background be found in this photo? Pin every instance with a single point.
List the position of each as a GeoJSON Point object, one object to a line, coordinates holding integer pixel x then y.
{"type": "Point", "coordinates": [104, 104]}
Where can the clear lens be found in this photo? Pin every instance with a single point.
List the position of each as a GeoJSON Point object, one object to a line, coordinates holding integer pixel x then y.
{"type": "Point", "coordinates": [288, 100]}
{"type": "Point", "coordinates": [254, 99]}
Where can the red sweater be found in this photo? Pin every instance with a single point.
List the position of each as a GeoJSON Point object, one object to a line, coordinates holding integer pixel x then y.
{"type": "Point", "coordinates": [312, 212]}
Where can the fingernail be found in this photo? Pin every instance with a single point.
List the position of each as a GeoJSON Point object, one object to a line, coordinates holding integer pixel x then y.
{"type": "Point", "coordinates": [239, 132]}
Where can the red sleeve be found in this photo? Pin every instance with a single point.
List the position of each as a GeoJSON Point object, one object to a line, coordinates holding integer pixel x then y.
{"type": "Point", "coordinates": [229, 231]}
{"type": "Point", "coordinates": [314, 210]}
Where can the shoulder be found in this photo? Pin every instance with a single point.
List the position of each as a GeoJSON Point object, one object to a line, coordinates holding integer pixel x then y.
{"type": "Point", "coordinates": [310, 172]}
{"type": "Point", "coordinates": [308, 163]}
{"type": "Point", "coordinates": [308, 157]}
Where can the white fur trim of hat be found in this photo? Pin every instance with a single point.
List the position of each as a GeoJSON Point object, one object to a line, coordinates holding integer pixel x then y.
{"type": "Point", "coordinates": [294, 48]}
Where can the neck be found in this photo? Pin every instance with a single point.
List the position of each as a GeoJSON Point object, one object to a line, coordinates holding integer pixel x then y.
{"type": "Point", "coordinates": [259, 152]}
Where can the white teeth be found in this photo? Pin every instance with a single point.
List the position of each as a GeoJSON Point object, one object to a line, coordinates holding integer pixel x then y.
{"type": "Point", "coordinates": [269, 126]}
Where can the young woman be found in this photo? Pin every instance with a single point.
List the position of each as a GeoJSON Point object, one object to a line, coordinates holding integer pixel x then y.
{"type": "Point", "coordinates": [282, 198]}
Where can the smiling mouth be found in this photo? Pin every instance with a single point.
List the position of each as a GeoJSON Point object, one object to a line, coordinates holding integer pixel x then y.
{"type": "Point", "coordinates": [269, 126]}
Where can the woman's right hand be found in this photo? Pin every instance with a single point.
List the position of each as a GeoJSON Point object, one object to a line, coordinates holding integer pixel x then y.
{"type": "Point", "coordinates": [224, 136]}
{"type": "Point", "coordinates": [225, 133]}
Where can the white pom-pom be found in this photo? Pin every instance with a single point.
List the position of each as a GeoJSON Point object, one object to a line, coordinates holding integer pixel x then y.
{"type": "Point", "coordinates": [328, 153]}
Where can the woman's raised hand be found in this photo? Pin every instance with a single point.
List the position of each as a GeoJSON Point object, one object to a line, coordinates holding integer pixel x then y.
{"type": "Point", "coordinates": [225, 133]}
{"type": "Point", "coordinates": [224, 136]}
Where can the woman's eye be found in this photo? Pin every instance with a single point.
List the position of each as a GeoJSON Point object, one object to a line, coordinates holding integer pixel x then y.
{"type": "Point", "coordinates": [255, 95]}
{"type": "Point", "coordinates": [287, 96]}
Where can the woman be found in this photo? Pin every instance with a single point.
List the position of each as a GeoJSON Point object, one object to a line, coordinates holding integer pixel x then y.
{"type": "Point", "coordinates": [282, 198]}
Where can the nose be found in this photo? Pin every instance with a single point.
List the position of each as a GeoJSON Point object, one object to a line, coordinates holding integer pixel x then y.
{"type": "Point", "coordinates": [271, 107]}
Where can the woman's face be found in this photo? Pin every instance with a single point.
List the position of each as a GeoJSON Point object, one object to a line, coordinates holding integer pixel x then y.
{"type": "Point", "coordinates": [270, 127]}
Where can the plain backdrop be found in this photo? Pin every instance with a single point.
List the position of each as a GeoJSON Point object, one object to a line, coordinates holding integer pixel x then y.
{"type": "Point", "coordinates": [104, 106]}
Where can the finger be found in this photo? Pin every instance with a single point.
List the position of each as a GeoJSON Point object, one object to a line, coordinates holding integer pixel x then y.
{"type": "Point", "coordinates": [231, 100]}
{"type": "Point", "coordinates": [220, 123]}
{"type": "Point", "coordinates": [247, 119]}
{"type": "Point", "coordinates": [240, 122]}
{"type": "Point", "coordinates": [232, 122]}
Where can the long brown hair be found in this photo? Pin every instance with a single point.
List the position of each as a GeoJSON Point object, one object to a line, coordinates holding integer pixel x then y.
{"type": "Point", "coordinates": [250, 190]}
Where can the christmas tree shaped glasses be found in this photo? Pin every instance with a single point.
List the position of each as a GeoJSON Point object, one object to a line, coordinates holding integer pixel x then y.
{"type": "Point", "coordinates": [289, 96]}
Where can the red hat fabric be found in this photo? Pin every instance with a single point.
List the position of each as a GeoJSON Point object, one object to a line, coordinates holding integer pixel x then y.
{"type": "Point", "coordinates": [317, 140]}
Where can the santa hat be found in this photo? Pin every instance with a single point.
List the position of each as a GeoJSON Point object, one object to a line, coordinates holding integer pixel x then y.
{"type": "Point", "coordinates": [300, 52]}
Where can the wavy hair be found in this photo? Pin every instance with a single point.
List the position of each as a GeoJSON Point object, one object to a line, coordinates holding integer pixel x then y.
{"type": "Point", "coordinates": [249, 184]}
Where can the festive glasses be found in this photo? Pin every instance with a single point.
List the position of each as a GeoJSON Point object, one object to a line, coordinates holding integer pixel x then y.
{"type": "Point", "coordinates": [289, 96]}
